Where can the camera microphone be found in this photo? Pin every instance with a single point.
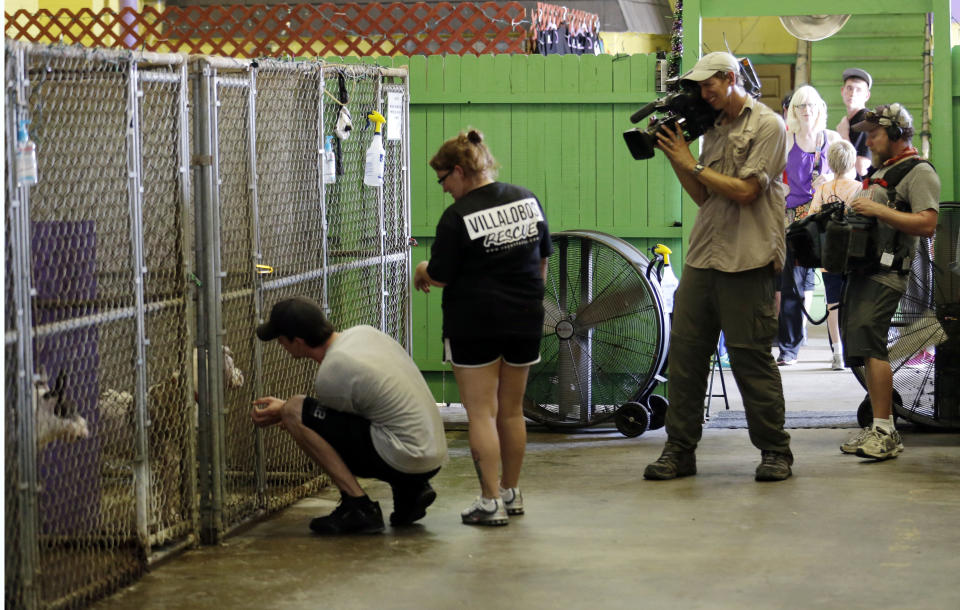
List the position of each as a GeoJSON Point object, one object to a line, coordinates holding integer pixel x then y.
{"type": "Point", "coordinates": [644, 112]}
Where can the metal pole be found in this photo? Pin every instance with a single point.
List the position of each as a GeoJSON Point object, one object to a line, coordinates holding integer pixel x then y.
{"type": "Point", "coordinates": [407, 223]}
{"type": "Point", "coordinates": [381, 225]}
{"type": "Point", "coordinates": [927, 86]}
{"type": "Point", "coordinates": [135, 198]}
{"type": "Point", "coordinates": [324, 236]}
{"type": "Point", "coordinates": [256, 254]}
{"type": "Point", "coordinates": [210, 516]}
{"type": "Point", "coordinates": [22, 295]}
{"type": "Point", "coordinates": [187, 213]}
{"type": "Point", "coordinates": [215, 330]}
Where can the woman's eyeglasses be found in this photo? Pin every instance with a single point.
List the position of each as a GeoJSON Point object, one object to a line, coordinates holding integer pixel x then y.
{"type": "Point", "coordinates": [444, 177]}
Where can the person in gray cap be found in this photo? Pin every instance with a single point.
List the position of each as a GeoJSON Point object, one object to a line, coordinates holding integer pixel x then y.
{"type": "Point", "coordinates": [736, 250]}
{"type": "Point", "coordinates": [372, 415]}
{"type": "Point", "coordinates": [903, 194]}
{"type": "Point", "coordinates": [855, 93]}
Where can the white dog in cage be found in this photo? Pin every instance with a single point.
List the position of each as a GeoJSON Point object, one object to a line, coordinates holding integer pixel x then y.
{"type": "Point", "coordinates": [169, 418]}
{"type": "Point", "coordinates": [55, 416]}
{"type": "Point", "coordinates": [116, 408]}
{"type": "Point", "coordinates": [232, 375]}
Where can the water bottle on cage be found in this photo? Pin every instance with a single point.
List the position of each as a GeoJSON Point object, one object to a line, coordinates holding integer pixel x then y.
{"type": "Point", "coordinates": [26, 156]}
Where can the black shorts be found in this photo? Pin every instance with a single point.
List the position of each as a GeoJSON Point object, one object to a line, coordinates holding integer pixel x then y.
{"type": "Point", "coordinates": [349, 435]}
{"type": "Point", "coordinates": [474, 352]}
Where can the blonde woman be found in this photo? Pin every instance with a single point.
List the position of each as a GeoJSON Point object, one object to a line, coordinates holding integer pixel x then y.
{"type": "Point", "coordinates": [807, 168]}
{"type": "Point", "coordinates": [490, 256]}
{"type": "Point", "coordinates": [842, 157]}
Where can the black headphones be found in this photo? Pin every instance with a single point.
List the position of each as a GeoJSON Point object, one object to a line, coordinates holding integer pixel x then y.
{"type": "Point", "coordinates": [894, 131]}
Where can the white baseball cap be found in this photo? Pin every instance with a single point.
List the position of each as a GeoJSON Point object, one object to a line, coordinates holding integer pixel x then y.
{"type": "Point", "coordinates": [710, 64]}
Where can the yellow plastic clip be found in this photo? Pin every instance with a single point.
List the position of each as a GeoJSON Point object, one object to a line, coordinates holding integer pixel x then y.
{"type": "Point", "coordinates": [264, 269]}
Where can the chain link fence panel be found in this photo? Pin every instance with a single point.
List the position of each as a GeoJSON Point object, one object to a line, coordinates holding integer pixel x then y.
{"type": "Point", "coordinates": [109, 321]}
{"type": "Point", "coordinates": [16, 560]}
{"type": "Point", "coordinates": [138, 267]}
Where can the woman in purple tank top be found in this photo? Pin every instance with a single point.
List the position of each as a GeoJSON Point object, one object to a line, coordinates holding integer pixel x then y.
{"type": "Point", "coordinates": [807, 168]}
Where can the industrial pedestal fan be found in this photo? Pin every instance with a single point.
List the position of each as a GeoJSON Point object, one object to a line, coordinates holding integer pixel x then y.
{"type": "Point", "coordinates": [924, 339]}
{"type": "Point", "coordinates": [605, 337]}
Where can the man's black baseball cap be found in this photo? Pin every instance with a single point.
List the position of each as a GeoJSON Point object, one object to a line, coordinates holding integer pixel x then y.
{"type": "Point", "coordinates": [291, 317]}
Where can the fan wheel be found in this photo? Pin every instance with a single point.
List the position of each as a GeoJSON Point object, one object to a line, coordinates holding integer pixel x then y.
{"type": "Point", "coordinates": [658, 411]}
{"type": "Point", "coordinates": [605, 333]}
{"type": "Point", "coordinates": [923, 343]}
{"type": "Point", "coordinates": [865, 413]}
{"type": "Point", "coordinates": [865, 410]}
{"type": "Point", "coordinates": [632, 419]}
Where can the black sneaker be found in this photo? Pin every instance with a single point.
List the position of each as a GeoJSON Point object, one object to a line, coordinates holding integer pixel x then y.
{"type": "Point", "coordinates": [672, 464]}
{"type": "Point", "coordinates": [774, 466]}
{"type": "Point", "coordinates": [352, 518]}
{"type": "Point", "coordinates": [410, 505]}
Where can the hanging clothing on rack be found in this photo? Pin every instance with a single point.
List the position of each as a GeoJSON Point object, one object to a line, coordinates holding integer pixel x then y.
{"type": "Point", "coordinates": [558, 30]}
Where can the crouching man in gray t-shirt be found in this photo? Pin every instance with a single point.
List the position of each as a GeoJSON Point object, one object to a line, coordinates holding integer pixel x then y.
{"type": "Point", "coordinates": [372, 416]}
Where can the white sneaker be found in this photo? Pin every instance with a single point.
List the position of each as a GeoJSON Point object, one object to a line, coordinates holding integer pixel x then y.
{"type": "Point", "coordinates": [512, 500]}
{"type": "Point", "coordinates": [879, 444]}
{"type": "Point", "coordinates": [837, 361]}
{"type": "Point", "coordinates": [853, 441]}
{"type": "Point", "coordinates": [480, 513]}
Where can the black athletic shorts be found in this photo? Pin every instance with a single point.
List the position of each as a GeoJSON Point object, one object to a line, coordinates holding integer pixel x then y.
{"type": "Point", "coordinates": [349, 435]}
{"type": "Point", "coordinates": [475, 352]}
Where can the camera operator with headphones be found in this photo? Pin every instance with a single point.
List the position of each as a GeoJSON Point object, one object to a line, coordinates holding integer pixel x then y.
{"type": "Point", "coordinates": [736, 249]}
{"type": "Point", "coordinates": [902, 192]}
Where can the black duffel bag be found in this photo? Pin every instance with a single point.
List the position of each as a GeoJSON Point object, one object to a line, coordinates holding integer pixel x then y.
{"type": "Point", "coordinates": [805, 239]}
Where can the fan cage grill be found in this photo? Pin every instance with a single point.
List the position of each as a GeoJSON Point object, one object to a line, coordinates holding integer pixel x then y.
{"type": "Point", "coordinates": [605, 332]}
{"type": "Point", "coordinates": [924, 337]}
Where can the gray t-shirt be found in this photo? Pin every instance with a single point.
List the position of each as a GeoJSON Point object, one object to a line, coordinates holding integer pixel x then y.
{"type": "Point", "coordinates": [921, 188]}
{"type": "Point", "coordinates": [367, 373]}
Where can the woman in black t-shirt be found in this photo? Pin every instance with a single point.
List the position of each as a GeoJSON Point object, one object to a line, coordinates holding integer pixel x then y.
{"type": "Point", "coordinates": [490, 255]}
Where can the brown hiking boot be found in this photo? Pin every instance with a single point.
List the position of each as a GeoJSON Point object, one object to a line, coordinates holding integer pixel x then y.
{"type": "Point", "coordinates": [774, 466]}
{"type": "Point", "coordinates": [672, 464]}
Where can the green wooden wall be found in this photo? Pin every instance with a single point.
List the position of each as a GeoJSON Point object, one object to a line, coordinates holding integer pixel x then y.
{"type": "Point", "coordinates": [889, 47]}
{"type": "Point", "coordinates": [878, 28]}
{"type": "Point", "coordinates": [554, 124]}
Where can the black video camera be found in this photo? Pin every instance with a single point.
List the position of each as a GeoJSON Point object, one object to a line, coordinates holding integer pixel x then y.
{"type": "Point", "coordinates": [683, 108]}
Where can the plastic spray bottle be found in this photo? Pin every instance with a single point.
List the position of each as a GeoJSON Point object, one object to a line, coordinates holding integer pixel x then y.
{"type": "Point", "coordinates": [26, 156]}
{"type": "Point", "coordinates": [373, 169]}
{"type": "Point", "coordinates": [329, 162]}
{"type": "Point", "coordinates": [669, 281]}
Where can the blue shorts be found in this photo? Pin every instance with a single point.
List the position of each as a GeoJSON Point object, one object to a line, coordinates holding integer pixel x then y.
{"type": "Point", "coordinates": [475, 352]}
{"type": "Point", "coordinates": [832, 286]}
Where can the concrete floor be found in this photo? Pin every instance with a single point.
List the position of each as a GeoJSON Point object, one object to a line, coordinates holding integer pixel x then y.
{"type": "Point", "coordinates": [842, 533]}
